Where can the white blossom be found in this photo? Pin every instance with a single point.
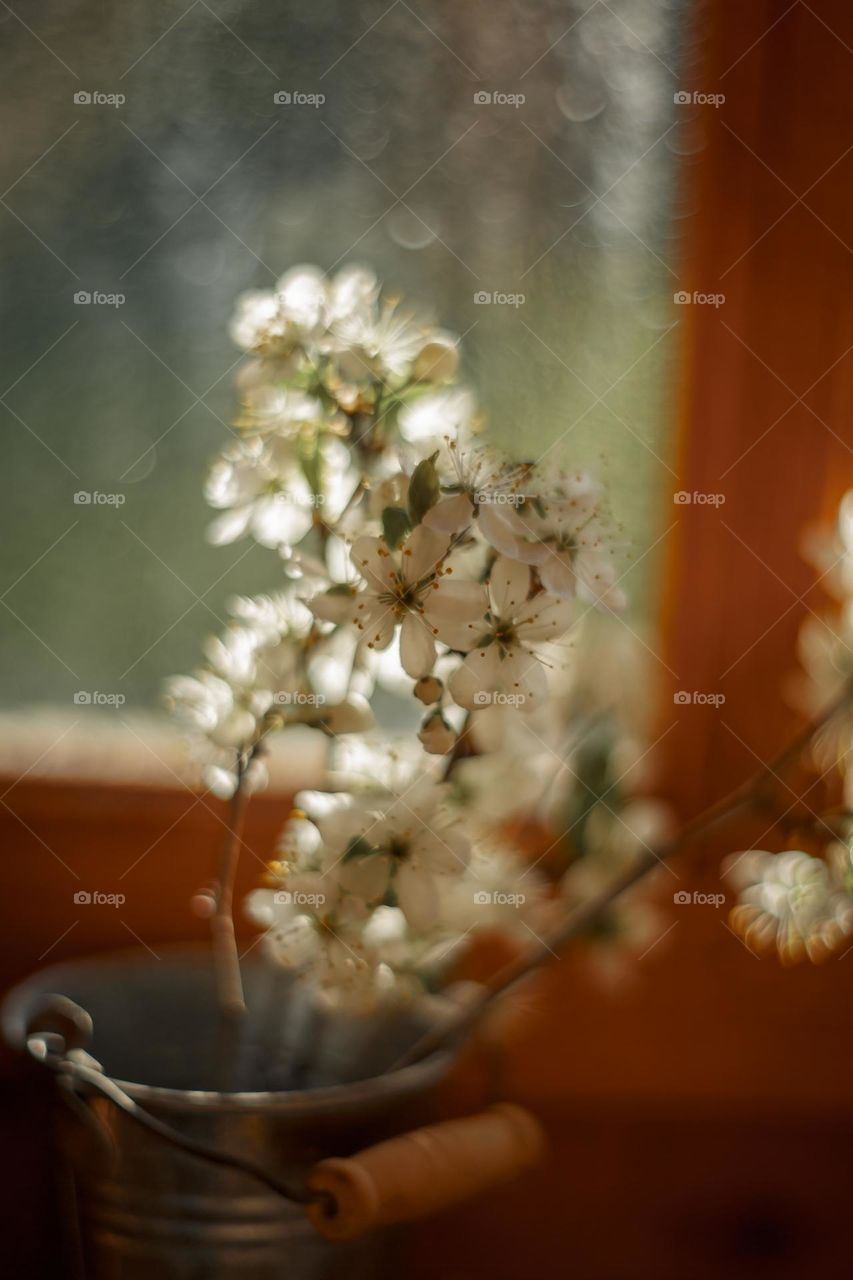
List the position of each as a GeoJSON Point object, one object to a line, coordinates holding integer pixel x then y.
{"type": "Point", "coordinates": [502, 661]}
{"type": "Point", "coordinates": [578, 559]}
{"type": "Point", "coordinates": [397, 588]}
{"type": "Point", "coordinates": [427, 422]}
{"type": "Point", "coordinates": [789, 902]}
{"type": "Point", "coordinates": [262, 488]}
{"type": "Point", "coordinates": [405, 846]}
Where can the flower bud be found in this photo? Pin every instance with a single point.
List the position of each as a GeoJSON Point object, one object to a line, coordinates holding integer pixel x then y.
{"type": "Point", "coordinates": [428, 690]}
{"type": "Point", "coordinates": [203, 904]}
{"type": "Point", "coordinates": [234, 729]}
{"type": "Point", "coordinates": [436, 735]}
{"type": "Point", "coordinates": [437, 360]}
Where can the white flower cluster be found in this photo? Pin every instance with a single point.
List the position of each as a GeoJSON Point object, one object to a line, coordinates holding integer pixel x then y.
{"type": "Point", "coordinates": [372, 893]}
{"type": "Point", "coordinates": [412, 553]}
{"type": "Point", "coordinates": [794, 902]}
{"type": "Point", "coordinates": [261, 676]}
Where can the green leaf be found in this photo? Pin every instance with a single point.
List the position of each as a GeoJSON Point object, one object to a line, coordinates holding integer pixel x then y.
{"type": "Point", "coordinates": [395, 525]}
{"type": "Point", "coordinates": [424, 489]}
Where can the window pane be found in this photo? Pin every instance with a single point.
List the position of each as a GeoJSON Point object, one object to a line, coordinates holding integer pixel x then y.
{"type": "Point", "coordinates": [167, 158]}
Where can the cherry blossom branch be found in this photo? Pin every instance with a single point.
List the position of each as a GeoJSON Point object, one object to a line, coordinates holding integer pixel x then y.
{"type": "Point", "coordinates": [751, 793]}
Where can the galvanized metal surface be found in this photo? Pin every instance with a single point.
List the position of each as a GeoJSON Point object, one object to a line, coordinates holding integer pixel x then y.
{"type": "Point", "coordinates": [146, 1211]}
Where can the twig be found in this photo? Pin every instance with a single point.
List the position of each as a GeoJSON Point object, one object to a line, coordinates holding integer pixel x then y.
{"type": "Point", "coordinates": [741, 798]}
{"type": "Point", "coordinates": [229, 984]}
{"type": "Point", "coordinates": [226, 957]}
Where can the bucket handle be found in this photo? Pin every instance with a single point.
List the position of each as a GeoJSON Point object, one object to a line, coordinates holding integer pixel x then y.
{"type": "Point", "coordinates": [399, 1180]}
{"type": "Point", "coordinates": [73, 1064]}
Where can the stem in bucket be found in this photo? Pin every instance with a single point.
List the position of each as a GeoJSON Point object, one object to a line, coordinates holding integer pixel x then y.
{"type": "Point", "coordinates": [751, 794]}
{"type": "Point", "coordinates": [226, 957]}
{"type": "Point", "coordinates": [229, 984]}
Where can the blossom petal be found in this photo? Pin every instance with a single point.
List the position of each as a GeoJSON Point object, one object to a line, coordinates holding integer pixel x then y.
{"type": "Point", "coordinates": [333, 606]}
{"type": "Point", "coordinates": [544, 618]}
{"type": "Point", "coordinates": [523, 676]}
{"type": "Point", "coordinates": [302, 292]}
{"type": "Point", "coordinates": [417, 896]}
{"type": "Point", "coordinates": [376, 621]}
{"type": "Point", "coordinates": [365, 878]}
{"type": "Point", "coordinates": [374, 562]}
{"type": "Point", "coordinates": [422, 554]}
{"type": "Point", "coordinates": [476, 678]}
{"type": "Point", "coordinates": [450, 515]}
{"type": "Point", "coordinates": [558, 576]}
{"type": "Point", "coordinates": [278, 520]}
{"type": "Point", "coordinates": [417, 647]}
{"type": "Point", "coordinates": [509, 586]}
{"type": "Point", "coordinates": [444, 851]}
{"type": "Point", "coordinates": [505, 530]}
{"type": "Point", "coordinates": [230, 526]}
{"type": "Point", "coordinates": [343, 824]}
{"type": "Point", "coordinates": [455, 610]}
{"type": "Point", "coordinates": [597, 573]}
{"type": "Point", "coordinates": [295, 942]}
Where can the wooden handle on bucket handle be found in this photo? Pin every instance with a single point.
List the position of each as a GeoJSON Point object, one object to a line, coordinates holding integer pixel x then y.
{"type": "Point", "coordinates": [423, 1171]}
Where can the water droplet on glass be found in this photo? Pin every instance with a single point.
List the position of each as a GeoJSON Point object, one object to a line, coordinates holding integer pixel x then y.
{"type": "Point", "coordinates": [408, 231]}
{"type": "Point", "coordinates": [580, 100]}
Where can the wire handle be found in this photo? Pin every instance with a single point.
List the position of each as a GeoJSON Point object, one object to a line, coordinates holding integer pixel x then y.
{"type": "Point", "coordinates": [74, 1064]}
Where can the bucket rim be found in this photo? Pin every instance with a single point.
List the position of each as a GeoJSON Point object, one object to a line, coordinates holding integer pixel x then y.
{"type": "Point", "coordinates": [399, 1083]}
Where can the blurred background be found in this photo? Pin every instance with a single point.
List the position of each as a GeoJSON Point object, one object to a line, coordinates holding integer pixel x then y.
{"type": "Point", "coordinates": [669, 189]}
{"type": "Point", "coordinates": [554, 196]}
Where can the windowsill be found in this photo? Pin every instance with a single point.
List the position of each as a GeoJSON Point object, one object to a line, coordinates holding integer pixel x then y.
{"type": "Point", "coordinates": [137, 750]}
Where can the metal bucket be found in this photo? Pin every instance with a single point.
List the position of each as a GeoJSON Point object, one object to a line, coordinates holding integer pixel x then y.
{"type": "Point", "coordinates": [144, 1210]}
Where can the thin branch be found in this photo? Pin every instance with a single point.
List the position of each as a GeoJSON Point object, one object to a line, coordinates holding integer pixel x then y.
{"type": "Point", "coordinates": [742, 798]}
{"type": "Point", "coordinates": [229, 984]}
